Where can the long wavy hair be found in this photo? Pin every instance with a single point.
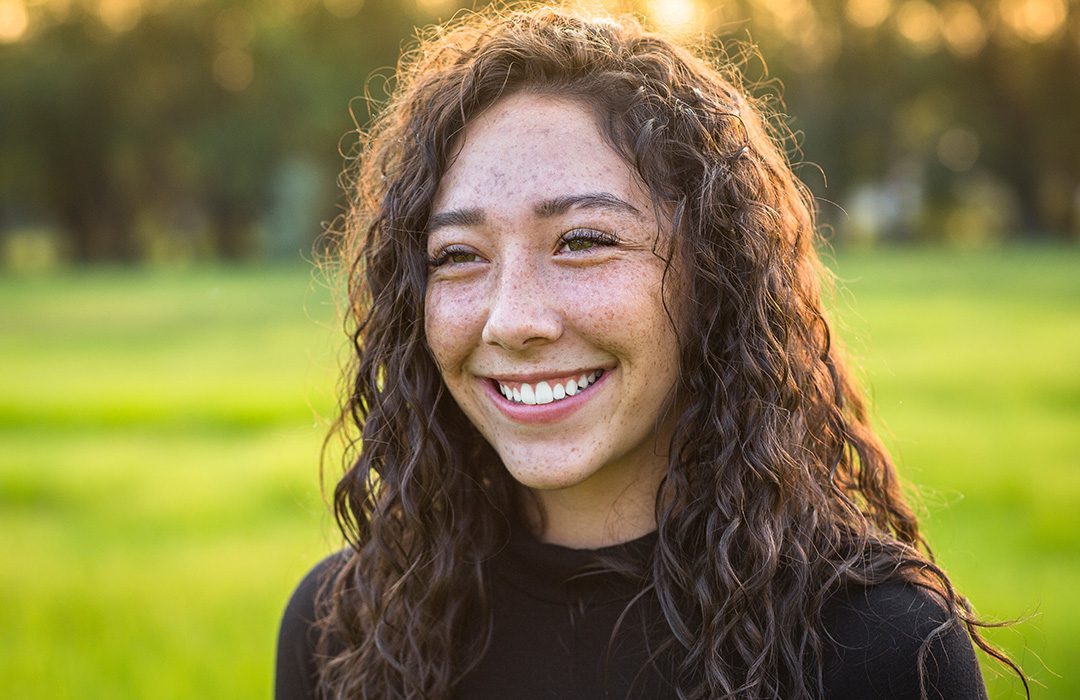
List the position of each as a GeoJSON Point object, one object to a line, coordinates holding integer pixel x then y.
{"type": "Point", "coordinates": [777, 493]}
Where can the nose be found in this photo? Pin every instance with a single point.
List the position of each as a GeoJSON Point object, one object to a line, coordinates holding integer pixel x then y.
{"type": "Point", "coordinates": [523, 312]}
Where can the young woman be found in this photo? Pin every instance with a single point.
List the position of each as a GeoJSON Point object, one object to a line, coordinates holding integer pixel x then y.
{"type": "Point", "coordinates": [608, 447]}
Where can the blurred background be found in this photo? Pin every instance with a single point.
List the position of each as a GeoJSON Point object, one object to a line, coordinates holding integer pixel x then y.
{"type": "Point", "coordinates": [169, 356]}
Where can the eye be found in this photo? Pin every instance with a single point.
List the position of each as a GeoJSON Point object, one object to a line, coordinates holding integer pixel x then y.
{"type": "Point", "coordinates": [453, 255]}
{"type": "Point", "coordinates": [582, 239]}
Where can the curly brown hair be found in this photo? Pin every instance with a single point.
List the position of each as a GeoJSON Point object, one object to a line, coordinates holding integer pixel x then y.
{"type": "Point", "coordinates": [778, 493]}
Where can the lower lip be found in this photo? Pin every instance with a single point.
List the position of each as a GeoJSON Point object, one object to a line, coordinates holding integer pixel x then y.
{"type": "Point", "coordinates": [543, 413]}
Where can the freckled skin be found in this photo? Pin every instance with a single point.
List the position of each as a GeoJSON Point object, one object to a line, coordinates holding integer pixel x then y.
{"type": "Point", "coordinates": [521, 300]}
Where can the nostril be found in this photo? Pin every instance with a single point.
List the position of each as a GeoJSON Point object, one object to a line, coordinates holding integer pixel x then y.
{"type": "Point", "coordinates": [516, 330]}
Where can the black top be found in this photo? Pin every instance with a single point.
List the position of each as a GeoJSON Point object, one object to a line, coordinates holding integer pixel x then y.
{"type": "Point", "coordinates": [552, 625]}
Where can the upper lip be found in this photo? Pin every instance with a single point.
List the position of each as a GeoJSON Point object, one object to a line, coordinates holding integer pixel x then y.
{"type": "Point", "coordinates": [531, 377]}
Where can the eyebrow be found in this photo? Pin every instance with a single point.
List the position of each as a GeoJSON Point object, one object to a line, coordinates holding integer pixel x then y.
{"type": "Point", "coordinates": [456, 217]}
{"type": "Point", "coordinates": [590, 200]}
{"type": "Point", "coordinates": [546, 209]}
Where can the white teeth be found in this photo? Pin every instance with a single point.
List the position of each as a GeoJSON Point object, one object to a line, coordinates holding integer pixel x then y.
{"type": "Point", "coordinates": [547, 392]}
{"type": "Point", "coordinates": [543, 393]}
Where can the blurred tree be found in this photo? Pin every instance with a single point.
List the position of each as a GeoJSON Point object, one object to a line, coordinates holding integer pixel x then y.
{"type": "Point", "coordinates": [60, 131]}
{"type": "Point", "coordinates": [183, 121]}
{"type": "Point", "coordinates": [110, 134]}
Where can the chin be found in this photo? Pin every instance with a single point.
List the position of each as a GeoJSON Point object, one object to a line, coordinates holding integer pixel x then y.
{"type": "Point", "coordinates": [541, 476]}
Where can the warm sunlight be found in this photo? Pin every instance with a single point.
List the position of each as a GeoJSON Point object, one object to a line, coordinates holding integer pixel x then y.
{"type": "Point", "coordinates": [14, 21]}
{"type": "Point", "coordinates": [920, 24]}
{"type": "Point", "coordinates": [963, 28]}
{"type": "Point", "coordinates": [868, 13]}
{"type": "Point", "coordinates": [1034, 20]}
{"type": "Point", "coordinates": [675, 15]}
{"type": "Point", "coordinates": [120, 15]}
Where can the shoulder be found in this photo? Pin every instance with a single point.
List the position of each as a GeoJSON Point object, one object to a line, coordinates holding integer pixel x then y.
{"type": "Point", "coordinates": [873, 639]}
{"type": "Point", "coordinates": [301, 605]}
{"type": "Point", "coordinates": [296, 669]}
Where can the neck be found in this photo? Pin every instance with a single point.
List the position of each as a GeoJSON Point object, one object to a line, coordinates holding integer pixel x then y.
{"type": "Point", "coordinates": [603, 511]}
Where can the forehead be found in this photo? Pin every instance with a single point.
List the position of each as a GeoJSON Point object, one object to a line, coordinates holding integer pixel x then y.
{"type": "Point", "coordinates": [527, 148]}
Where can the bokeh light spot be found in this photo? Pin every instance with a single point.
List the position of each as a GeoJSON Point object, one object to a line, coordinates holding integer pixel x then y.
{"type": "Point", "coordinates": [958, 149]}
{"type": "Point", "coordinates": [676, 16]}
{"type": "Point", "coordinates": [234, 69]}
{"type": "Point", "coordinates": [963, 28]}
{"type": "Point", "coordinates": [343, 9]}
{"type": "Point", "coordinates": [1034, 20]}
{"type": "Point", "coordinates": [868, 13]}
{"type": "Point", "coordinates": [120, 15]}
{"type": "Point", "coordinates": [435, 6]}
{"type": "Point", "coordinates": [234, 28]}
{"type": "Point", "coordinates": [920, 24]}
{"type": "Point", "coordinates": [14, 21]}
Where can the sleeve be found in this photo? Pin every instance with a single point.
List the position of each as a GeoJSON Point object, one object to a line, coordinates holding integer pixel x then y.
{"type": "Point", "coordinates": [296, 673]}
{"type": "Point", "coordinates": [873, 636]}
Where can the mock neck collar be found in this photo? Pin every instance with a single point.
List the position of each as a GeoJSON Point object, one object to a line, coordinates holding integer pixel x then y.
{"type": "Point", "coordinates": [560, 574]}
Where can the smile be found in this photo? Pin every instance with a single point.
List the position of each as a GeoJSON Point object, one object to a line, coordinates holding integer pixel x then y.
{"type": "Point", "coordinates": [550, 391]}
{"type": "Point", "coordinates": [548, 400]}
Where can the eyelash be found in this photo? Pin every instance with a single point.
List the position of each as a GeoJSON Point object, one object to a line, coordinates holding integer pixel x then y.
{"type": "Point", "coordinates": [446, 253]}
{"type": "Point", "coordinates": [588, 234]}
{"type": "Point", "coordinates": [573, 236]}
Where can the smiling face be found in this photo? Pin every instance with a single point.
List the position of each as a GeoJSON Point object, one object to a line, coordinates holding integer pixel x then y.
{"type": "Point", "coordinates": [544, 308]}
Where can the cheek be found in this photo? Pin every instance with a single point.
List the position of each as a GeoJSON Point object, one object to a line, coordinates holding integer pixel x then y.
{"type": "Point", "coordinates": [452, 323]}
{"type": "Point", "coordinates": [625, 312]}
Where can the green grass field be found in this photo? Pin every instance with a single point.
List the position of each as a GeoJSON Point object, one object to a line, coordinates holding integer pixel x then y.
{"type": "Point", "coordinates": [160, 431]}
